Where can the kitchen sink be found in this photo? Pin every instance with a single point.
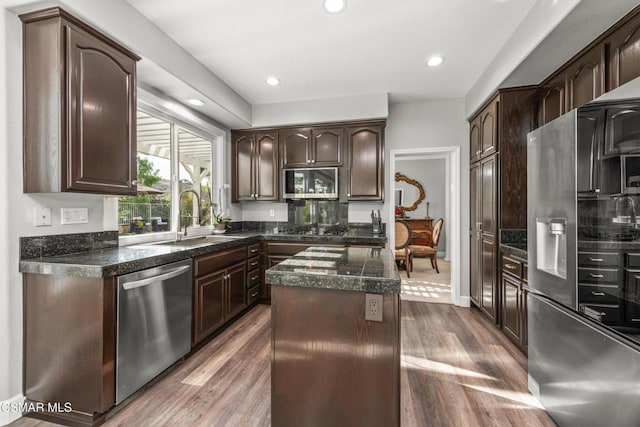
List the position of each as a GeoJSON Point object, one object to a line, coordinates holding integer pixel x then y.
{"type": "Point", "coordinates": [197, 241]}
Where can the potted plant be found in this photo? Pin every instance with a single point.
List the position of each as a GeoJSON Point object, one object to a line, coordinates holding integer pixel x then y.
{"type": "Point", "coordinates": [220, 222]}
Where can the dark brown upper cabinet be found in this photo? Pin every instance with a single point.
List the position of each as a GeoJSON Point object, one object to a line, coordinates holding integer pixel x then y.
{"type": "Point", "coordinates": [489, 132]}
{"type": "Point", "coordinates": [624, 53]}
{"type": "Point", "coordinates": [552, 99]}
{"type": "Point", "coordinates": [79, 108]}
{"type": "Point", "coordinates": [311, 147]}
{"type": "Point", "coordinates": [254, 166]}
{"type": "Point", "coordinates": [365, 151]}
{"type": "Point", "coordinates": [475, 140]}
{"type": "Point", "coordinates": [585, 78]}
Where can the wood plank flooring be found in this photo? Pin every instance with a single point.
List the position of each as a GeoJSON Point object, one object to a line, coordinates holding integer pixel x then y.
{"type": "Point", "coordinates": [457, 370]}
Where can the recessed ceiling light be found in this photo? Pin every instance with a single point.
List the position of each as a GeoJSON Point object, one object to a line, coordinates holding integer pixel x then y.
{"type": "Point", "coordinates": [273, 81]}
{"type": "Point", "coordinates": [334, 6]}
{"type": "Point", "coordinates": [196, 102]}
{"type": "Point", "coordinates": [434, 61]}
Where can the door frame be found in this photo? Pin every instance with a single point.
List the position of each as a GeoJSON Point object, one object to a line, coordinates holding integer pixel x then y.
{"type": "Point", "coordinates": [451, 155]}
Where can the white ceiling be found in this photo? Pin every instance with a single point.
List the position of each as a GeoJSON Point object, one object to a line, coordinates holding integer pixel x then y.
{"type": "Point", "coordinates": [373, 46]}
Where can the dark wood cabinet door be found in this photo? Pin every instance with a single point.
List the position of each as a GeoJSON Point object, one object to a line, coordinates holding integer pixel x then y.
{"type": "Point", "coordinates": [266, 166]}
{"type": "Point", "coordinates": [236, 293]}
{"type": "Point", "coordinates": [209, 305]}
{"type": "Point", "coordinates": [585, 78]}
{"type": "Point", "coordinates": [489, 128]}
{"type": "Point", "coordinates": [475, 234]}
{"type": "Point", "coordinates": [524, 335]}
{"type": "Point", "coordinates": [366, 162]}
{"type": "Point", "coordinates": [632, 297]}
{"type": "Point", "coordinates": [294, 146]}
{"type": "Point", "coordinates": [488, 194]}
{"type": "Point", "coordinates": [489, 277]}
{"type": "Point", "coordinates": [552, 100]}
{"type": "Point", "coordinates": [101, 108]}
{"type": "Point", "coordinates": [475, 141]}
{"type": "Point", "coordinates": [511, 309]}
{"type": "Point", "coordinates": [625, 53]}
{"type": "Point", "coordinates": [326, 147]}
{"type": "Point", "coordinates": [242, 166]}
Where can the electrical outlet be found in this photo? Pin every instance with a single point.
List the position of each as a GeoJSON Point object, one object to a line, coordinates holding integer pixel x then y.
{"type": "Point", "coordinates": [272, 213]}
{"type": "Point", "coordinates": [373, 307]}
{"type": "Point", "coordinates": [74, 216]}
{"type": "Point", "coordinates": [42, 217]}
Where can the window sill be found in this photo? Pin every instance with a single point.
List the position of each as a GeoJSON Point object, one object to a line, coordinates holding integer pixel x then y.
{"type": "Point", "coordinates": [139, 239]}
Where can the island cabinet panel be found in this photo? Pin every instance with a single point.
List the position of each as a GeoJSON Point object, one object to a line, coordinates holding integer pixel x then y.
{"type": "Point", "coordinates": [325, 375]}
{"type": "Point", "coordinates": [80, 108]}
{"type": "Point", "coordinates": [365, 150]}
{"type": "Point", "coordinates": [69, 343]}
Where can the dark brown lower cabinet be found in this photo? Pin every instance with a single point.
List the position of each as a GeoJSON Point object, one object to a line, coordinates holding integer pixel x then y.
{"type": "Point", "coordinates": [70, 345]}
{"type": "Point", "coordinates": [220, 290]}
{"type": "Point", "coordinates": [513, 308]}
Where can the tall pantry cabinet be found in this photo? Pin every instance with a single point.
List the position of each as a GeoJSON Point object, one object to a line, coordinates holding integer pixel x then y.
{"type": "Point", "coordinates": [498, 186]}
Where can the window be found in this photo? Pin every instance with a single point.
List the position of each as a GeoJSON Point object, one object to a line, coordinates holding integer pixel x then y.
{"type": "Point", "coordinates": [168, 148]}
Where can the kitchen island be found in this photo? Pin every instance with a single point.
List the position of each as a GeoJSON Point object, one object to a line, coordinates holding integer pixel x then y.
{"type": "Point", "coordinates": [330, 364]}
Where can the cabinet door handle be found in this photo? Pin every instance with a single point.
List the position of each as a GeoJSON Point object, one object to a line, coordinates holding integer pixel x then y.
{"type": "Point", "coordinates": [254, 277]}
{"type": "Point", "coordinates": [253, 251]}
{"type": "Point", "coordinates": [596, 276]}
{"type": "Point", "coordinates": [487, 149]}
{"type": "Point", "coordinates": [308, 161]}
{"type": "Point", "coordinates": [597, 294]}
{"type": "Point", "coordinates": [134, 182]}
{"type": "Point", "coordinates": [348, 194]}
{"type": "Point", "coordinates": [253, 264]}
{"type": "Point", "coordinates": [596, 259]}
{"type": "Point", "coordinates": [478, 152]}
{"type": "Point", "coordinates": [510, 266]}
{"type": "Point", "coordinates": [255, 294]}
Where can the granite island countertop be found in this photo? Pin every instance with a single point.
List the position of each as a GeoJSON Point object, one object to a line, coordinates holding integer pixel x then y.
{"type": "Point", "coordinates": [127, 259]}
{"type": "Point", "coordinates": [349, 268]}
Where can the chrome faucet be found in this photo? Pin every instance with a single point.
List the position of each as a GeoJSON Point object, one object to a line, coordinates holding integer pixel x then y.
{"type": "Point", "coordinates": [180, 207]}
{"type": "Point", "coordinates": [631, 205]}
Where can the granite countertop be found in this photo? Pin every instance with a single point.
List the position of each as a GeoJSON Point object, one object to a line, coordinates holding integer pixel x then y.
{"type": "Point", "coordinates": [350, 269]}
{"type": "Point", "coordinates": [127, 259]}
{"type": "Point", "coordinates": [518, 250]}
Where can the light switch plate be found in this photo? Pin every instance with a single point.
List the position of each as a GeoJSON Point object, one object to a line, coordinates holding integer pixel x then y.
{"type": "Point", "coordinates": [74, 216]}
{"type": "Point", "coordinates": [42, 217]}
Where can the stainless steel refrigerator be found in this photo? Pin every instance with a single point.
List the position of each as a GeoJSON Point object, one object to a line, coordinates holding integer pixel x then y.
{"type": "Point", "coordinates": [582, 237]}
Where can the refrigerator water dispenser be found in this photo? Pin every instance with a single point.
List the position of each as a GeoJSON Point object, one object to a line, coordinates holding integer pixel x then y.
{"type": "Point", "coordinates": [551, 242]}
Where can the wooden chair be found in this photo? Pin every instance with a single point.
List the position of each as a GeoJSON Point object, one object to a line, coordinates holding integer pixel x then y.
{"type": "Point", "coordinates": [429, 251]}
{"type": "Point", "coordinates": [403, 238]}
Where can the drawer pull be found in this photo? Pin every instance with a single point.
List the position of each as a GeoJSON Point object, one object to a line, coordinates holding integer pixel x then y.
{"type": "Point", "coordinates": [603, 314]}
{"type": "Point", "coordinates": [596, 259]}
{"type": "Point", "coordinates": [253, 264]}
{"type": "Point", "coordinates": [253, 251]}
{"type": "Point", "coordinates": [255, 294]}
{"type": "Point", "coordinates": [597, 294]}
{"type": "Point", "coordinates": [510, 266]}
{"type": "Point", "coordinates": [596, 276]}
{"type": "Point", "coordinates": [255, 277]}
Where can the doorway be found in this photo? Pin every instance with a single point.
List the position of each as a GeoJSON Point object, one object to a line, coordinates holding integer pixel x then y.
{"type": "Point", "coordinates": [441, 167]}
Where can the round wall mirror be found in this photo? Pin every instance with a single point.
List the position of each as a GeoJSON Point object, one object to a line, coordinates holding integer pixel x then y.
{"type": "Point", "coordinates": [408, 192]}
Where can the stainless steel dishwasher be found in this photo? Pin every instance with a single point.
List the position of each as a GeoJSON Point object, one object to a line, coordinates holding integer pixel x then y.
{"type": "Point", "coordinates": [154, 324]}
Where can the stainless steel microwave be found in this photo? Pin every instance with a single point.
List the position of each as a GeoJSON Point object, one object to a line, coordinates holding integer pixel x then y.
{"type": "Point", "coordinates": [312, 183]}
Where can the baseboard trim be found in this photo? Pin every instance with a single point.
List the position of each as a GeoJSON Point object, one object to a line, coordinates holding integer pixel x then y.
{"type": "Point", "coordinates": [465, 301]}
{"type": "Point", "coordinates": [7, 412]}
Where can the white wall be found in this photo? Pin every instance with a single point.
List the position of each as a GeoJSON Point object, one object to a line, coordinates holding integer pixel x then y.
{"type": "Point", "coordinates": [431, 174]}
{"type": "Point", "coordinates": [321, 110]}
{"type": "Point", "coordinates": [434, 123]}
